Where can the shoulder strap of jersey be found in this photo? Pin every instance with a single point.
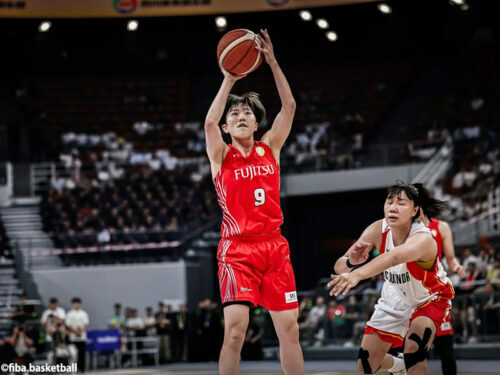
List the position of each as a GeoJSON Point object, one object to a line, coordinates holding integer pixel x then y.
{"type": "Point", "coordinates": [385, 231]}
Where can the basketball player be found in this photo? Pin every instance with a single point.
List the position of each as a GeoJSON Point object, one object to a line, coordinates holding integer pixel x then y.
{"type": "Point", "coordinates": [253, 256]}
{"type": "Point", "coordinates": [443, 343]}
{"type": "Point", "coordinates": [416, 293]}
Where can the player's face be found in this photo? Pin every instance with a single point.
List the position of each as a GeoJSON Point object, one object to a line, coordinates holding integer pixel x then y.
{"type": "Point", "coordinates": [399, 209]}
{"type": "Point", "coordinates": [240, 122]}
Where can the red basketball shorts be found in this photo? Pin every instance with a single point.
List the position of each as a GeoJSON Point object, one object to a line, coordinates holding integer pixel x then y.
{"type": "Point", "coordinates": [257, 270]}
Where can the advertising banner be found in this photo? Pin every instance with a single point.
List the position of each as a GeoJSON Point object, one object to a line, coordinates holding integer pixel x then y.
{"type": "Point", "coordinates": [150, 8]}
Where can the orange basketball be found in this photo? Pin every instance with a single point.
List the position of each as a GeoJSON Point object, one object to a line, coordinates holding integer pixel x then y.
{"type": "Point", "coordinates": [236, 51]}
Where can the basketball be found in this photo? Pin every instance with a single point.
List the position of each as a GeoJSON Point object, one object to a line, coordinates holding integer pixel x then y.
{"type": "Point", "coordinates": [236, 52]}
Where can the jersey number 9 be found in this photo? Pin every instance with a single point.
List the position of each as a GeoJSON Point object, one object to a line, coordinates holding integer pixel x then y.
{"type": "Point", "coordinates": [260, 197]}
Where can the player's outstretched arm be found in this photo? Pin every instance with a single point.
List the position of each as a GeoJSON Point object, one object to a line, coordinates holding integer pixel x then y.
{"type": "Point", "coordinates": [419, 247]}
{"type": "Point", "coordinates": [449, 250]}
{"type": "Point", "coordinates": [282, 124]}
{"type": "Point", "coordinates": [215, 143]}
{"type": "Point", "coordinates": [359, 251]}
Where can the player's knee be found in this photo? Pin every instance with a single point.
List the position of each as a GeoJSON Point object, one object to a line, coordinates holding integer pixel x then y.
{"type": "Point", "coordinates": [236, 335]}
{"type": "Point", "coordinates": [416, 348]}
{"type": "Point", "coordinates": [363, 369]}
{"type": "Point", "coordinates": [411, 346]}
{"type": "Point", "coordinates": [364, 365]}
{"type": "Point", "coordinates": [289, 333]}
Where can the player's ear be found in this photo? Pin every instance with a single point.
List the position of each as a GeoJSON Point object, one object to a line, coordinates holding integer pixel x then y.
{"type": "Point", "coordinates": [225, 128]}
{"type": "Point", "coordinates": [256, 127]}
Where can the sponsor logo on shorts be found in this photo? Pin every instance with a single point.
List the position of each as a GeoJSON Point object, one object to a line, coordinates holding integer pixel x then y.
{"type": "Point", "coordinates": [291, 297]}
{"type": "Point", "coordinates": [245, 289]}
{"type": "Point", "coordinates": [446, 326]}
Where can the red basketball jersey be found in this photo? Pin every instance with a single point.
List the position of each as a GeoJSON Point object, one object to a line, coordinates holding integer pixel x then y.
{"type": "Point", "coordinates": [434, 227]}
{"type": "Point", "coordinates": [248, 190]}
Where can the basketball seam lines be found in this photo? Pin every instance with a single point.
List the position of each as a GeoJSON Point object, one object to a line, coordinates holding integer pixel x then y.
{"type": "Point", "coordinates": [245, 55]}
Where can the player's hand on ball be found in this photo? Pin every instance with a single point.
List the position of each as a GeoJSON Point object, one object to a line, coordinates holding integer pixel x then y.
{"type": "Point", "coordinates": [343, 282]}
{"type": "Point", "coordinates": [230, 76]}
{"type": "Point", "coordinates": [266, 47]}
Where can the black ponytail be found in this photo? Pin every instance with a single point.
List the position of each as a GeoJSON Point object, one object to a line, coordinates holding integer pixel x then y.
{"type": "Point", "coordinates": [420, 196]}
{"type": "Point", "coordinates": [431, 207]}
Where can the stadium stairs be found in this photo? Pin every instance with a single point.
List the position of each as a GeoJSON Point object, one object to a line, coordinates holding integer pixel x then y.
{"type": "Point", "coordinates": [23, 225]}
{"type": "Point", "coordinates": [9, 294]}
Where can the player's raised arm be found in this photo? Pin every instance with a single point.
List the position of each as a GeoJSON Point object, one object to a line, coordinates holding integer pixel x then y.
{"type": "Point", "coordinates": [282, 124]}
{"type": "Point", "coordinates": [215, 144]}
{"type": "Point", "coordinates": [359, 251]}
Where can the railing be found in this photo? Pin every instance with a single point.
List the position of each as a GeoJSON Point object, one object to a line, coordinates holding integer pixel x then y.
{"type": "Point", "coordinates": [6, 182]}
{"type": "Point", "coordinates": [436, 166]}
{"type": "Point", "coordinates": [387, 154]}
{"type": "Point", "coordinates": [41, 175]}
{"type": "Point", "coordinates": [139, 346]}
{"type": "Point", "coordinates": [171, 240]}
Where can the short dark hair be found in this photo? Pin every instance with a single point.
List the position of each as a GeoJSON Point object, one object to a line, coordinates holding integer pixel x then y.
{"type": "Point", "coordinates": [76, 300]}
{"type": "Point", "coordinates": [117, 305]}
{"type": "Point", "coordinates": [53, 300]}
{"type": "Point", "coordinates": [420, 196]}
{"type": "Point", "coordinates": [251, 99]}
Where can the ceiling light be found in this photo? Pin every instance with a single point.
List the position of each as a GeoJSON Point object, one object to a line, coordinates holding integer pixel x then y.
{"type": "Point", "coordinates": [44, 26]}
{"type": "Point", "coordinates": [132, 25]}
{"type": "Point", "coordinates": [221, 22]}
{"type": "Point", "coordinates": [322, 23]}
{"type": "Point", "coordinates": [331, 36]}
{"type": "Point", "coordinates": [384, 8]}
{"type": "Point", "coordinates": [305, 15]}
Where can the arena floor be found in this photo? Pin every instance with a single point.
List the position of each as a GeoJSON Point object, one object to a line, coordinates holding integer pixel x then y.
{"type": "Point", "coordinates": [312, 368]}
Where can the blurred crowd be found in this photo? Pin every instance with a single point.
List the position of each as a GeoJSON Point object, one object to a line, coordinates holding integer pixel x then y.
{"type": "Point", "coordinates": [143, 206]}
{"type": "Point", "coordinates": [57, 337]}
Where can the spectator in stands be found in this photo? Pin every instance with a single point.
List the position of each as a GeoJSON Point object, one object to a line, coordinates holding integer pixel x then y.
{"type": "Point", "coordinates": [77, 323]}
{"type": "Point", "coordinates": [317, 318]}
{"type": "Point", "coordinates": [471, 275]}
{"type": "Point", "coordinates": [252, 346]}
{"type": "Point", "coordinates": [179, 333]}
{"type": "Point", "coordinates": [494, 273]}
{"type": "Point", "coordinates": [50, 318]}
{"type": "Point", "coordinates": [336, 319]}
{"type": "Point", "coordinates": [468, 257]}
{"type": "Point", "coordinates": [24, 311]}
{"type": "Point", "coordinates": [305, 306]}
{"type": "Point", "coordinates": [117, 321]}
{"type": "Point", "coordinates": [134, 325]}
{"type": "Point", "coordinates": [150, 322]}
{"type": "Point", "coordinates": [21, 344]}
{"type": "Point", "coordinates": [7, 352]}
{"type": "Point", "coordinates": [63, 351]}
{"type": "Point", "coordinates": [352, 316]}
{"type": "Point", "coordinates": [163, 330]}
{"type": "Point", "coordinates": [491, 309]}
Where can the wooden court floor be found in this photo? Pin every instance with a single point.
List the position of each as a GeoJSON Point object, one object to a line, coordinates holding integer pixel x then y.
{"type": "Point", "coordinates": [311, 368]}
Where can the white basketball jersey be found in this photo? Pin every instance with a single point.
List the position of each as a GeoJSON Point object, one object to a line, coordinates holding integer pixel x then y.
{"type": "Point", "coordinates": [409, 285]}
